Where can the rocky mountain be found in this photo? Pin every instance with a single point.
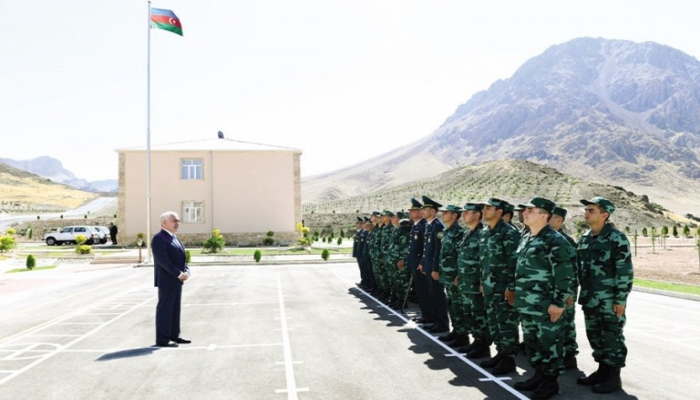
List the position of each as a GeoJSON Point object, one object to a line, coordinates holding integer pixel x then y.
{"type": "Point", "coordinates": [612, 111]}
{"type": "Point", "coordinates": [53, 169]}
{"type": "Point", "coordinates": [513, 180]}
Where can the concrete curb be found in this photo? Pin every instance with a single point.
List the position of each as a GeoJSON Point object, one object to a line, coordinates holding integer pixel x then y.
{"type": "Point", "coordinates": [262, 262]}
{"type": "Point", "coordinates": [685, 296]}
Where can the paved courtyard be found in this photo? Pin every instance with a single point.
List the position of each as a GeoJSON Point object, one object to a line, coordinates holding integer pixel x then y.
{"type": "Point", "coordinates": [298, 331]}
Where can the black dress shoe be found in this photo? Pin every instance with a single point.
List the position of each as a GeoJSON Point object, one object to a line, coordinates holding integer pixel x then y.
{"type": "Point", "coordinates": [438, 329]}
{"type": "Point", "coordinates": [167, 344]}
{"type": "Point", "coordinates": [181, 341]}
{"type": "Point", "coordinates": [422, 320]}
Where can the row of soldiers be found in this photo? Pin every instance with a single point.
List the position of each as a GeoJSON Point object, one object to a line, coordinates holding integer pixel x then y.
{"type": "Point", "coordinates": [489, 279]}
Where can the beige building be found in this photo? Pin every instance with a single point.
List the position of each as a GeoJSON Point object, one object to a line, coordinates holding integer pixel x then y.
{"type": "Point", "coordinates": [243, 189]}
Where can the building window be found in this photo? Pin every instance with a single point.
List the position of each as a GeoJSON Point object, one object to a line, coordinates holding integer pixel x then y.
{"type": "Point", "coordinates": [192, 211]}
{"type": "Point", "coordinates": [191, 169]}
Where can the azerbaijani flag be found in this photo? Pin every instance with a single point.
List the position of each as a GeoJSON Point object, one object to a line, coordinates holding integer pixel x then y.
{"type": "Point", "coordinates": [165, 19]}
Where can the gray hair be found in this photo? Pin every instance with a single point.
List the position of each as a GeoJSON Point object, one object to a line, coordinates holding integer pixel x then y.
{"type": "Point", "coordinates": [167, 215]}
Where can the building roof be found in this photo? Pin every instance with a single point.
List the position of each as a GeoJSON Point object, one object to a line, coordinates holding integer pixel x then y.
{"type": "Point", "coordinates": [216, 144]}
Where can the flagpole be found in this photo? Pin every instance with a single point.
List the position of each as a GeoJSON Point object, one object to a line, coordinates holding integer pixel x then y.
{"type": "Point", "coordinates": [148, 142]}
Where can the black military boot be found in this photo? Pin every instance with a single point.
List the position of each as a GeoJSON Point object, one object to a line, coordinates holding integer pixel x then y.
{"type": "Point", "coordinates": [505, 366]}
{"type": "Point", "coordinates": [547, 388]}
{"type": "Point", "coordinates": [596, 377]}
{"type": "Point", "coordinates": [493, 361]}
{"type": "Point", "coordinates": [448, 337]}
{"type": "Point", "coordinates": [479, 350]}
{"type": "Point", "coordinates": [570, 361]}
{"type": "Point", "coordinates": [533, 382]}
{"type": "Point", "coordinates": [611, 383]}
{"type": "Point", "coordinates": [459, 340]}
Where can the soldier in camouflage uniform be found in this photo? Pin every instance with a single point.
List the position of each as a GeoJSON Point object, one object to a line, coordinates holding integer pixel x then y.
{"type": "Point", "coordinates": [400, 276]}
{"type": "Point", "coordinates": [387, 230]}
{"type": "Point", "coordinates": [469, 282]}
{"type": "Point", "coordinates": [497, 252]}
{"type": "Point", "coordinates": [375, 243]}
{"type": "Point", "coordinates": [570, 345]}
{"type": "Point", "coordinates": [508, 214]}
{"type": "Point", "coordinates": [449, 253]}
{"type": "Point", "coordinates": [543, 277]}
{"type": "Point", "coordinates": [605, 274]}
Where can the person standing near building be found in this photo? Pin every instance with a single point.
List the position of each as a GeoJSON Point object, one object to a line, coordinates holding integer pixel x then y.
{"type": "Point", "coordinates": [170, 272]}
{"type": "Point", "coordinates": [543, 277]}
{"type": "Point", "coordinates": [113, 233]}
{"type": "Point", "coordinates": [605, 276]}
{"type": "Point", "coordinates": [356, 250]}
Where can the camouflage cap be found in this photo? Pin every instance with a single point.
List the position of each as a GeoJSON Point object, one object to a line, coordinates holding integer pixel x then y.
{"type": "Point", "coordinates": [559, 211]}
{"type": "Point", "coordinates": [430, 203]}
{"type": "Point", "coordinates": [604, 203]}
{"type": "Point", "coordinates": [541, 202]}
{"type": "Point", "coordinates": [388, 213]}
{"type": "Point", "coordinates": [473, 207]}
{"type": "Point", "coordinates": [452, 208]}
{"type": "Point", "coordinates": [415, 205]}
{"type": "Point", "coordinates": [498, 203]}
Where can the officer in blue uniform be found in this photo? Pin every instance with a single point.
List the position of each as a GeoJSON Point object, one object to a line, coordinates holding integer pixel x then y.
{"type": "Point", "coordinates": [415, 254]}
{"type": "Point", "coordinates": [430, 266]}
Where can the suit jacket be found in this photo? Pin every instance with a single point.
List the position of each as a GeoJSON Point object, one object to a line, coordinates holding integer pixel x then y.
{"type": "Point", "coordinates": [169, 259]}
{"type": "Point", "coordinates": [432, 242]}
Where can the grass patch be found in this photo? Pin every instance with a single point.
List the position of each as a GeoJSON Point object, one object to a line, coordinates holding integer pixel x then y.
{"type": "Point", "coordinates": [12, 271]}
{"type": "Point", "coordinates": [671, 287]}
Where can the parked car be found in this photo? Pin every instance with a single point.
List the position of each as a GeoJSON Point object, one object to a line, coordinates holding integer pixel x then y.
{"type": "Point", "coordinates": [69, 233]}
{"type": "Point", "coordinates": [103, 233]}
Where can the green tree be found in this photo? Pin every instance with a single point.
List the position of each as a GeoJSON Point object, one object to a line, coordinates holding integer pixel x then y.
{"type": "Point", "coordinates": [257, 255]}
{"type": "Point", "coordinates": [675, 231]}
{"type": "Point", "coordinates": [31, 262]}
{"type": "Point", "coordinates": [7, 243]}
{"type": "Point", "coordinates": [340, 240]}
{"type": "Point", "coordinates": [215, 243]}
{"type": "Point", "coordinates": [686, 231]}
{"type": "Point", "coordinates": [645, 233]}
{"type": "Point", "coordinates": [325, 254]}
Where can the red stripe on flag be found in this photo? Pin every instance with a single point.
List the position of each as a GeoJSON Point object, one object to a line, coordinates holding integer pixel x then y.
{"type": "Point", "coordinates": [164, 19]}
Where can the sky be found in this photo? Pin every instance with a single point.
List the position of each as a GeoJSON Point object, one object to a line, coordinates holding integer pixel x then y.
{"type": "Point", "coordinates": [341, 80]}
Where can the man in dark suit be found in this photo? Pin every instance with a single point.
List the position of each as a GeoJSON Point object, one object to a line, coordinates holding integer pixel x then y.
{"type": "Point", "coordinates": [170, 271]}
{"type": "Point", "coordinates": [430, 266]}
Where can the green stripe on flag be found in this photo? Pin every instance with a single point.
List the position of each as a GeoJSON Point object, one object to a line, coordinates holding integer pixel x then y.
{"type": "Point", "coordinates": [167, 27]}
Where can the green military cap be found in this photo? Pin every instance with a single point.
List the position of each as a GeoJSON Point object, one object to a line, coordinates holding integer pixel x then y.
{"type": "Point", "coordinates": [452, 208]}
{"type": "Point", "coordinates": [498, 203]}
{"type": "Point", "coordinates": [430, 203]}
{"type": "Point", "coordinates": [415, 205]}
{"type": "Point", "coordinates": [402, 214]}
{"type": "Point", "coordinates": [376, 213]}
{"type": "Point", "coordinates": [541, 202]}
{"type": "Point", "coordinates": [519, 207]}
{"type": "Point", "coordinates": [604, 203]}
{"type": "Point", "coordinates": [367, 219]}
{"type": "Point", "coordinates": [559, 211]}
{"type": "Point", "coordinates": [359, 219]}
{"type": "Point", "coordinates": [388, 213]}
{"type": "Point", "coordinates": [473, 207]}
{"type": "Point", "coordinates": [509, 208]}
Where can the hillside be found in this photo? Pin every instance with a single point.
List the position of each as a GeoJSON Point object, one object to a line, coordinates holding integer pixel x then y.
{"type": "Point", "coordinates": [23, 191]}
{"type": "Point", "coordinates": [515, 181]}
{"type": "Point", "coordinates": [611, 111]}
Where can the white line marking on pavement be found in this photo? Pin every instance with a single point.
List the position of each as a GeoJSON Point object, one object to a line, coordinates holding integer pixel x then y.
{"type": "Point", "coordinates": [293, 362]}
{"type": "Point", "coordinates": [50, 335]}
{"type": "Point", "coordinates": [295, 390]}
{"type": "Point", "coordinates": [505, 378]}
{"type": "Point", "coordinates": [210, 347]}
{"type": "Point", "coordinates": [489, 377]}
{"type": "Point", "coordinates": [288, 366]}
{"type": "Point", "coordinates": [78, 323]}
{"type": "Point", "coordinates": [54, 352]}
